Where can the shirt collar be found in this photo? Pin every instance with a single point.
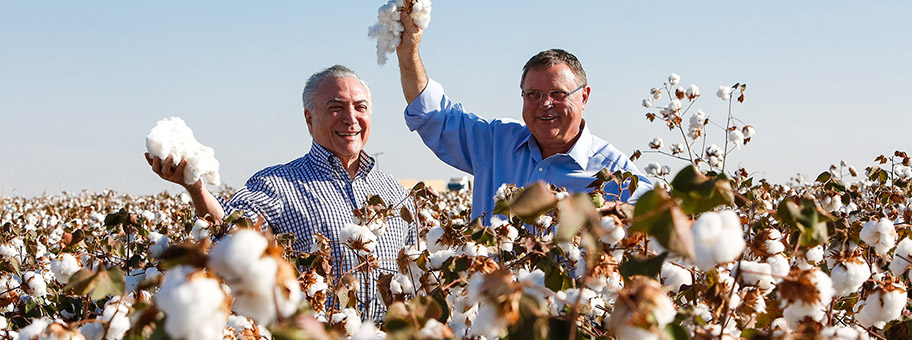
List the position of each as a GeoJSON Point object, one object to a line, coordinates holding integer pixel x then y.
{"type": "Point", "coordinates": [579, 152]}
{"type": "Point", "coordinates": [327, 162]}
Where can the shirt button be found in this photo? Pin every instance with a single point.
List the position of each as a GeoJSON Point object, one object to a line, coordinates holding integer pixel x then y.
{"type": "Point", "coordinates": [540, 169]}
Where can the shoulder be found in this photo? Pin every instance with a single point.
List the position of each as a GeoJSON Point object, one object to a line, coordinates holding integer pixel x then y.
{"type": "Point", "coordinates": [293, 168]}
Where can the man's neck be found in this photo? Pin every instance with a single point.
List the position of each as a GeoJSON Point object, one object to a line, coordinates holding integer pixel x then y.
{"type": "Point", "coordinates": [551, 150]}
{"type": "Point", "coordinates": [351, 165]}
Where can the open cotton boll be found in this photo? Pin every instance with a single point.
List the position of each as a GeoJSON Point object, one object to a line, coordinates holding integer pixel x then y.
{"type": "Point", "coordinates": [718, 238]}
{"type": "Point", "coordinates": [757, 274]}
{"type": "Point", "coordinates": [116, 315]}
{"type": "Point", "coordinates": [195, 305]}
{"type": "Point", "coordinates": [200, 230]}
{"type": "Point", "coordinates": [37, 287]}
{"type": "Point", "coordinates": [350, 320]}
{"type": "Point", "coordinates": [159, 243]}
{"type": "Point", "coordinates": [358, 238]}
{"type": "Point", "coordinates": [33, 330]}
{"type": "Point", "coordinates": [388, 29]}
{"type": "Point", "coordinates": [901, 258]}
{"type": "Point", "coordinates": [879, 234]}
{"type": "Point", "coordinates": [172, 137]}
{"type": "Point", "coordinates": [401, 284]}
{"type": "Point", "coordinates": [673, 277]}
{"type": "Point", "coordinates": [64, 267]}
{"type": "Point", "coordinates": [92, 331]}
{"type": "Point", "coordinates": [848, 276]}
{"type": "Point", "coordinates": [881, 307]}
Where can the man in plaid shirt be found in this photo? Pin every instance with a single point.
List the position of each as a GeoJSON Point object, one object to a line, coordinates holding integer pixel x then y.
{"type": "Point", "coordinates": [317, 192]}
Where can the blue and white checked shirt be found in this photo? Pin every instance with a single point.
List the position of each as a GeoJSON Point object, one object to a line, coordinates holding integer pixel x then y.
{"type": "Point", "coordinates": [504, 151]}
{"type": "Point", "coordinates": [315, 194]}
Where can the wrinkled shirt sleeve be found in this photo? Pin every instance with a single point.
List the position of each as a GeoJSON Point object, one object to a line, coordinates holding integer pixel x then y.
{"type": "Point", "coordinates": [459, 138]}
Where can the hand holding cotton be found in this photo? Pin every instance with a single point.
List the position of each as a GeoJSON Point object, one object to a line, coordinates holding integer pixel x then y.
{"type": "Point", "coordinates": [172, 137]}
{"type": "Point", "coordinates": [388, 29]}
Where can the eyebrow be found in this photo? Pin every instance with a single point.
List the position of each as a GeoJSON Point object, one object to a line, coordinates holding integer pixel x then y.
{"type": "Point", "coordinates": [343, 101]}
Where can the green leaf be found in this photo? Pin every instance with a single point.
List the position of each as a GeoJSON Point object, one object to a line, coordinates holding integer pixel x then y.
{"type": "Point", "coordinates": [108, 282]}
{"type": "Point", "coordinates": [807, 219]}
{"type": "Point", "coordinates": [656, 214]}
{"type": "Point", "coordinates": [640, 265]}
{"type": "Point", "coordinates": [418, 186]}
{"type": "Point", "coordinates": [823, 177]}
{"type": "Point", "coordinates": [375, 200]}
{"type": "Point", "coordinates": [699, 193]}
{"type": "Point", "coordinates": [81, 282]}
{"type": "Point", "coordinates": [676, 332]}
{"type": "Point", "coordinates": [574, 212]}
{"type": "Point", "coordinates": [533, 201]}
{"type": "Point", "coordinates": [406, 215]}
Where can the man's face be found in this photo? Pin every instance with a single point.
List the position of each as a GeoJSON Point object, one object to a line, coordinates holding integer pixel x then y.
{"type": "Point", "coordinates": [340, 121]}
{"type": "Point", "coordinates": [554, 123]}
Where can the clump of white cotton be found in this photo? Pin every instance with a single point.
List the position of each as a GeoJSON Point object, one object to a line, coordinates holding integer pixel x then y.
{"type": "Point", "coordinates": [64, 267]}
{"type": "Point", "coordinates": [879, 234]}
{"type": "Point", "coordinates": [195, 305]}
{"type": "Point", "coordinates": [263, 286]}
{"type": "Point", "coordinates": [884, 305]}
{"type": "Point", "coordinates": [718, 238]}
{"type": "Point", "coordinates": [172, 137]}
{"type": "Point", "coordinates": [388, 29]}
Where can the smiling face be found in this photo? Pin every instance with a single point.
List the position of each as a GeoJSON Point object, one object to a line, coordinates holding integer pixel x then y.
{"type": "Point", "coordinates": [340, 120]}
{"type": "Point", "coordinates": [554, 124]}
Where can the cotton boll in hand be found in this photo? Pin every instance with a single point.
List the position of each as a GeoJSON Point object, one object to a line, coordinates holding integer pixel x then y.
{"type": "Point", "coordinates": [172, 137]}
{"type": "Point", "coordinates": [388, 29]}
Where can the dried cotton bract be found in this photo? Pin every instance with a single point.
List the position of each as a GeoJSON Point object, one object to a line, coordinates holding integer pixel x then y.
{"type": "Point", "coordinates": [172, 137]}
{"type": "Point", "coordinates": [388, 29]}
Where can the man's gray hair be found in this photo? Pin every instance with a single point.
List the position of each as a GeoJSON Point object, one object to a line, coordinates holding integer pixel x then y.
{"type": "Point", "coordinates": [555, 56]}
{"type": "Point", "coordinates": [336, 71]}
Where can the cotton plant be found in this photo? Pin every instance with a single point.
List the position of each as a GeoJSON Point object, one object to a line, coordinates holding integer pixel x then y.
{"type": "Point", "coordinates": [675, 115]}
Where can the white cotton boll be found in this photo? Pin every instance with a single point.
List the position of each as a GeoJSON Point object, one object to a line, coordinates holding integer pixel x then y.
{"type": "Point", "coordinates": [159, 243]}
{"type": "Point", "coordinates": [359, 239]}
{"type": "Point", "coordinates": [648, 103]}
{"type": "Point", "coordinates": [388, 29]}
{"type": "Point", "coordinates": [844, 333]}
{"type": "Point", "coordinates": [350, 318]}
{"type": "Point", "coordinates": [184, 198]}
{"type": "Point", "coordinates": [656, 143]}
{"type": "Point", "coordinates": [200, 230]}
{"type": "Point", "coordinates": [432, 329]}
{"type": "Point", "coordinates": [148, 216]}
{"type": "Point", "coordinates": [718, 238]}
{"type": "Point", "coordinates": [368, 331]}
{"type": "Point", "coordinates": [152, 273]}
{"type": "Point", "coordinates": [757, 274]}
{"type": "Point", "coordinates": [488, 323]}
{"type": "Point", "coordinates": [195, 305]}
{"type": "Point", "coordinates": [116, 315]}
{"type": "Point", "coordinates": [92, 331]}
{"type": "Point", "coordinates": [33, 330]}
{"type": "Point", "coordinates": [748, 131]}
{"type": "Point", "coordinates": [677, 148]}
{"type": "Point", "coordinates": [653, 169]}
{"type": "Point", "coordinates": [437, 258]}
{"type": "Point", "coordinates": [433, 236]}
{"type": "Point", "coordinates": [507, 241]}
{"type": "Point", "coordinates": [901, 258]}
{"type": "Point", "coordinates": [37, 287]}
{"type": "Point", "coordinates": [879, 234]}
{"type": "Point", "coordinates": [674, 79]}
{"type": "Point", "coordinates": [473, 249]}
{"type": "Point", "coordinates": [673, 277]}
{"type": "Point", "coordinates": [64, 267]}
{"type": "Point", "coordinates": [401, 284]}
{"type": "Point", "coordinates": [674, 106]}
{"type": "Point", "coordinates": [814, 255]}
{"type": "Point", "coordinates": [849, 276]}
{"type": "Point", "coordinates": [693, 91]}
{"type": "Point", "coordinates": [880, 308]}
{"type": "Point", "coordinates": [724, 92]}
{"type": "Point", "coordinates": [377, 226]}
{"type": "Point", "coordinates": [172, 137]}
{"type": "Point", "coordinates": [614, 232]}
{"type": "Point", "coordinates": [736, 137]}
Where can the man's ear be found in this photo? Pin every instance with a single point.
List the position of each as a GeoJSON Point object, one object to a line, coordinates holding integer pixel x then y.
{"type": "Point", "coordinates": [586, 91]}
{"type": "Point", "coordinates": [308, 116]}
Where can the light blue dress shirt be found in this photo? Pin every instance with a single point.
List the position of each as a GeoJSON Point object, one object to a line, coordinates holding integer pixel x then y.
{"type": "Point", "coordinates": [503, 151]}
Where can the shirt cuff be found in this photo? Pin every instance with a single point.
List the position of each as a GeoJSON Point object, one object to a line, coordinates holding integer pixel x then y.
{"type": "Point", "coordinates": [428, 101]}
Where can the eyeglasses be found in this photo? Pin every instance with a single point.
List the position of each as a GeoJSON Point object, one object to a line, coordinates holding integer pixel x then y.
{"type": "Point", "coordinates": [535, 96]}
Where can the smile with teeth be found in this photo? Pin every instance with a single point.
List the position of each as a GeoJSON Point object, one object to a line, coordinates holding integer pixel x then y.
{"type": "Point", "coordinates": [347, 134]}
{"type": "Point", "coordinates": [547, 118]}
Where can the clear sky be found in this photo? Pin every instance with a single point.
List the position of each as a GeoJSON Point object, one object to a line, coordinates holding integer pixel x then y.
{"type": "Point", "coordinates": [82, 83]}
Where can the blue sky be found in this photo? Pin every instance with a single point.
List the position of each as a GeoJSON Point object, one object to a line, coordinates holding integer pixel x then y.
{"type": "Point", "coordinates": [82, 83]}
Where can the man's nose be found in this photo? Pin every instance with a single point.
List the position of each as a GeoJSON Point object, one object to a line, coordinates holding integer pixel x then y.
{"type": "Point", "coordinates": [546, 102]}
{"type": "Point", "coordinates": [349, 114]}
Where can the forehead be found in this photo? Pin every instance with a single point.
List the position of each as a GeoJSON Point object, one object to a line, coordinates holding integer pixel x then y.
{"type": "Point", "coordinates": [543, 76]}
{"type": "Point", "coordinates": [347, 89]}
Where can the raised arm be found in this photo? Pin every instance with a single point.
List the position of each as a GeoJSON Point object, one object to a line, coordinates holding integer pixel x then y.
{"type": "Point", "coordinates": [411, 69]}
{"type": "Point", "coordinates": [203, 201]}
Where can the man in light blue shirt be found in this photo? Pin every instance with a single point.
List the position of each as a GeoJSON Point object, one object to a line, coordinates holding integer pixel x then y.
{"type": "Point", "coordinates": [552, 145]}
